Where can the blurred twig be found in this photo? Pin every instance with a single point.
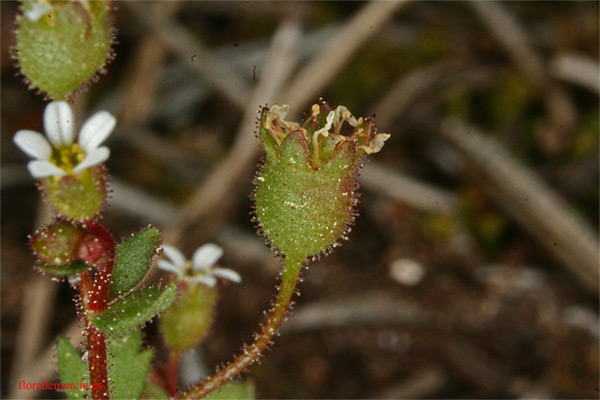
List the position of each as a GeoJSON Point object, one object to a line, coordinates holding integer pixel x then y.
{"type": "Point", "coordinates": [512, 36]}
{"type": "Point", "coordinates": [560, 109]}
{"type": "Point", "coordinates": [358, 310]}
{"type": "Point", "coordinates": [382, 180]}
{"type": "Point", "coordinates": [422, 383]}
{"type": "Point", "coordinates": [140, 204]}
{"type": "Point", "coordinates": [476, 366]}
{"type": "Point", "coordinates": [577, 69]}
{"type": "Point", "coordinates": [338, 50]}
{"type": "Point", "coordinates": [45, 364]}
{"type": "Point", "coordinates": [214, 197]}
{"type": "Point", "coordinates": [138, 92]}
{"type": "Point", "coordinates": [216, 73]}
{"type": "Point", "coordinates": [408, 89]}
{"type": "Point", "coordinates": [531, 202]}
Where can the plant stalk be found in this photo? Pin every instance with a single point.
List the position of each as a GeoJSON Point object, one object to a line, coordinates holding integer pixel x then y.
{"type": "Point", "coordinates": [94, 298]}
{"type": "Point", "coordinates": [172, 373]}
{"type": "Point", "coordinates": [250, 354]}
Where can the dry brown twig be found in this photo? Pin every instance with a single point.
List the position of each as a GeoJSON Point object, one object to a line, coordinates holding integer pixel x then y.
{"type": "Point", "coordinates": [578, 69]}
{"type": "Point", "coordinates": [531, 202]}
{"type": "Point", "coordinates": [382, 180]}
{"type": "Point", "coordinates": [338, 50]}
{"type": "Point", "coordinates": [422, 383]}
{"type": "Point", "coordinates": [216, 73]}
{"type": "Point", "coordinates": [138, 91]}
{"type": "Point", "coordinates": [408, 89]}
{"type": "Point", "coordinates": [214, 197]}
{"type": "Point", "coordinates": [562, 114]}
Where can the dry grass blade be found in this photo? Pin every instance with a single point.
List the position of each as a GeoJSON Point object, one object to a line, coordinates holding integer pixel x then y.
{"type": "Point", "coordinates": [38, 306]}
{"type": "Point", "coordinates": [382, 180]}
{"type": "Point", "coordinates": [216, 73]}
{"type": "Point", "coordinates": [337, 51]}
{"type": "Point", "coordinates": [213, 199]}
{"type": "Point", "coordinates": [408, 89]}
{"type": "Point", "coordinates": [140, 204]}
{"type": "Point", "coordinates": [423, 383]}
{"type": "Point", "coordinates": [509, 32]}
{"type": "Point", "coordinates": [577, 69]}
{"type": "Point", "coordinates": [138, 92]}
{"type": "Point", "coordinates": [531, 202]}
{"type": "Point", "coordinates": [561, 112]}
{"type": "Point", "coordinates": [360, 309]}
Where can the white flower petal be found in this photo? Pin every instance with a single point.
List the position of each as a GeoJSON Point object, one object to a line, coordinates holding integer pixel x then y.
{"type": "Point", "coordinates": [37, 10]}
{"type": "Point", "coordinates": [378, 141]}
{"type": "Point", "coordinates": [205, 279]}
{"type": "Point", "coordinates": [325, 130]}
{"type": "Point", "coordinates": [95, 130]}
{"type": "Point", "coordinates": [206, 256]}
{"type": "Point", "coordinates": [58, 123]}
{"type": "Point", "coordinates": [227, 274]}
{"type": "Point", "coordinates": [173, 254]}
{"type": "Point", "coordinates": [34, 144]}
{"type": "Point", "coordinates": [96, 157]}
{"type": "Point", "coordinates": [168, 266]}
{"type": "Point", "coordinates": [43, 169]}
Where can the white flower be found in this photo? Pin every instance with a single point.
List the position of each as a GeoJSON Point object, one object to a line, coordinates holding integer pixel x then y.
{"type": "Point", "coordinates": [37, 10]}
{"type": "Point", "coordinates": [201, 268]}
{"type": "Point", "coordinates": [59, 154]}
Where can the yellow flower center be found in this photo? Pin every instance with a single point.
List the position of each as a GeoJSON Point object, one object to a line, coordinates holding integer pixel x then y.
{"type": "Point", "coordinates": [67, 157]}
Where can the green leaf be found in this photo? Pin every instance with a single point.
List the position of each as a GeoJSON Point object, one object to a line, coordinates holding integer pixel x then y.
{"type": "Point", "coordinates": [65, 48]}
{"type": "Point", "coordinates": [238, 390]}
{"type": "Point", "coordinates": [71, 368]}
{"type": "Point", "coordinates": [133, 259]}
{"type": "Point", "coordinates": [63, 270]}
{"type": "Point", "coordinates": [155, 392]}
{"type": "Point", "coordinates": [135, 309]}
{"type": "Point", "coordinates": [128, 365]}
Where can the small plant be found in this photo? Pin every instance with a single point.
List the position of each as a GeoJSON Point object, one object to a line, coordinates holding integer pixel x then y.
{"type": "Point", "coordinates": [305, 202]}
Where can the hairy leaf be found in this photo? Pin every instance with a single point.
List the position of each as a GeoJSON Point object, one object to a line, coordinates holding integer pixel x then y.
{"type": "Point", "coordinates": [72, 369]}
{"type": "Point", "coordinates": [135, 309]}
{"type": "Point", "coordinates": [133, 259]}
{"type": "Point", "coordinates": [128, 365]}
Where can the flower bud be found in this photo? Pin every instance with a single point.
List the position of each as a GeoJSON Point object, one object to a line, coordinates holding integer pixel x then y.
{"type": "Point", "coordinates": [187, 323]}
{"type": "Point", "coordinates": [57, 243]}
{"type": "Point", "coordinates": [306, 190]}
{"type": "Point", "coordinates": [56, 247]}
{"type": "Point", "coordinates": [62, 45]}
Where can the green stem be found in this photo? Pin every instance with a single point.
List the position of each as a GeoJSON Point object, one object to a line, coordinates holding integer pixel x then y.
{"type": "Point", "coordinates": [250, 354]}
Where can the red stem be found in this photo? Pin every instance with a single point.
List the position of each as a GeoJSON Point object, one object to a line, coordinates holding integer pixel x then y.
{"type": "Point", "coordinates": [94, 296]}
{"type": "Point", "coordinates": [172, 373]}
